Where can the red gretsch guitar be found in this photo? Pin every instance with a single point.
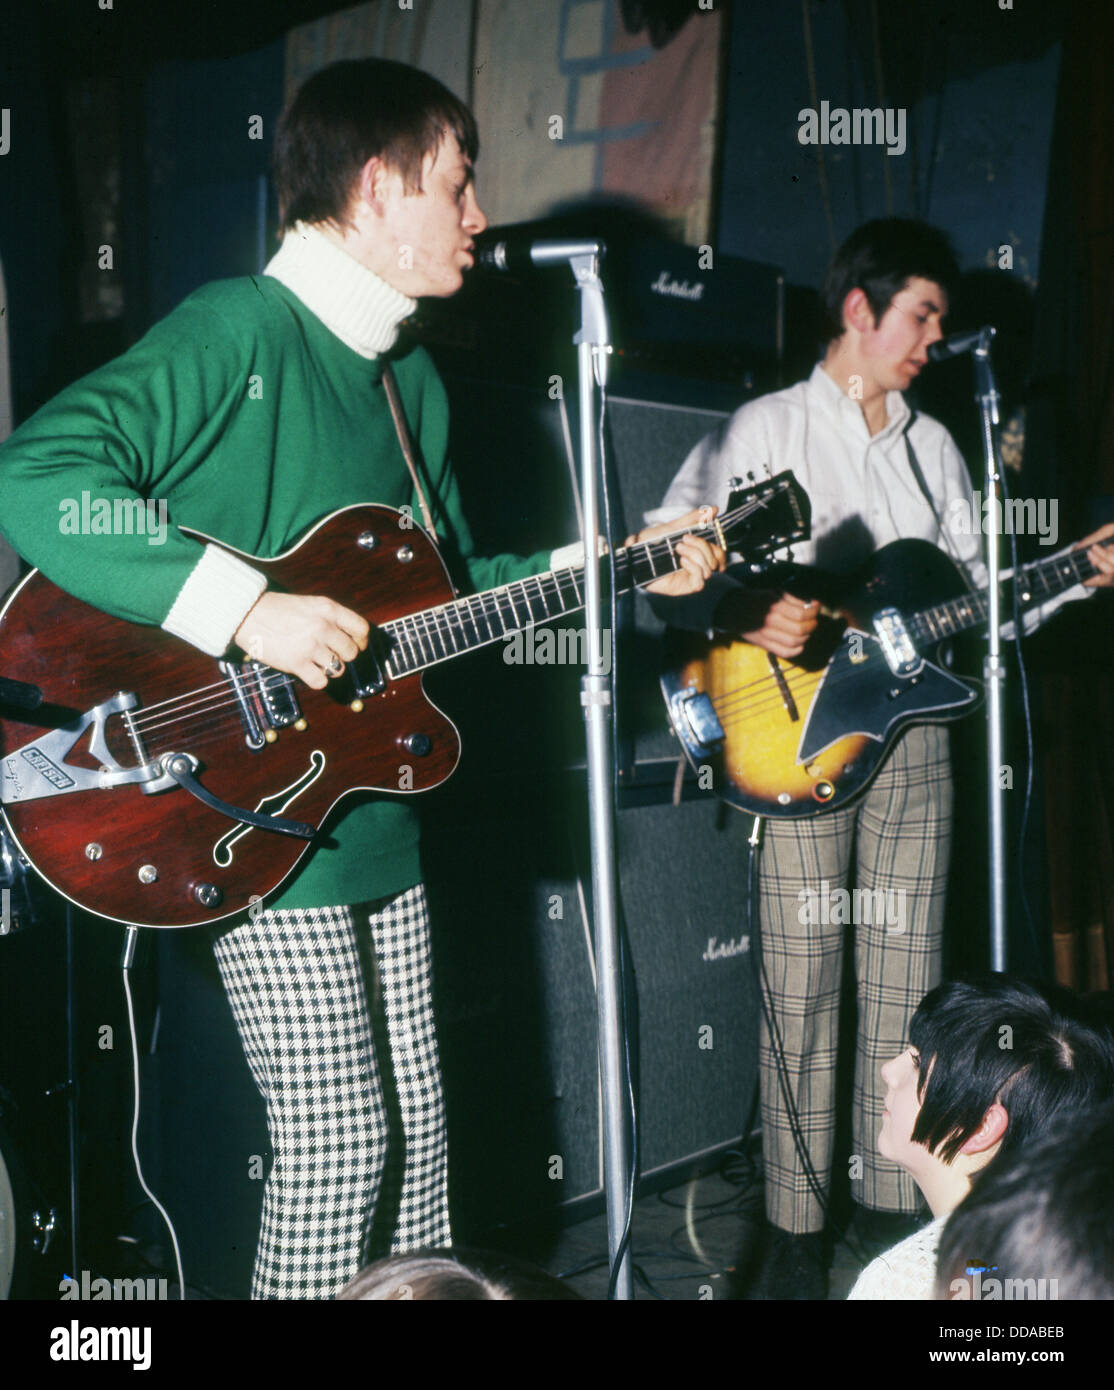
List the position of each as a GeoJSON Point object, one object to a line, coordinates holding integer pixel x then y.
{"type": "Point", "coordinates": [159, 787]}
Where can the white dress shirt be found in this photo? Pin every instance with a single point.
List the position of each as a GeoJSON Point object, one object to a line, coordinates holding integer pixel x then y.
{"type": "Point", "coordinates": [863, 491]}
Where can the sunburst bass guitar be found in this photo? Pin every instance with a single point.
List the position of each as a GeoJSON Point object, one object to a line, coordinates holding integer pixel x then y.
{"type": "Point", "coordinates": [159, 787]}
{"type": "Point", "coordinates": [798, 738]}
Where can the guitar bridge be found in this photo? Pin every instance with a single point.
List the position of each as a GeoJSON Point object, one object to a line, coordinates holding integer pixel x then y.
{"type": "Point", "coordinates": [696, 722]}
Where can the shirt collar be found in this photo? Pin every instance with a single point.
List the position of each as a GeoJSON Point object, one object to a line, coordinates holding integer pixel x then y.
{"type": "Point", "coordinates": [898, 412]}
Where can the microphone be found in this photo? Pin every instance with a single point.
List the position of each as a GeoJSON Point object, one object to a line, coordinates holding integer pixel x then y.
{"type": "Point", "coordinates": [958, 344]}
{"type": "Point", "coordinates": [519, 252]}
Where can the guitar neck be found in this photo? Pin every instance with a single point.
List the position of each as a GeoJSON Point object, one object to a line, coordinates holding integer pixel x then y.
{"type": "Point", "coordinates": [433, 635]}
{"type": "Point", "coordinates": [1039, 581]}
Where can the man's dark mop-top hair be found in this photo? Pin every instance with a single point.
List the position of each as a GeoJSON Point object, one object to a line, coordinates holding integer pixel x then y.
{"type": "Point", "coordinates": [878, 258]}
{"type": "Point", "coordinates": [350, 112]}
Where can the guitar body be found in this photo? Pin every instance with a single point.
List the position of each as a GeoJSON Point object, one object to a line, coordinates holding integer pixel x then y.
{"type": "Point", "coordinates": [160, 787]}
{"type": "Point", "coordinates": [797, 738]}
{"type": "Point", "coordinates": [91, 844]}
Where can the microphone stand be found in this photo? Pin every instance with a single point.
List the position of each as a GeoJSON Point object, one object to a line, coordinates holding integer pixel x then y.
{"type": "Point", "coordinates": [593, 345]}
{"type": "Point", "coordinates": [994, 674]}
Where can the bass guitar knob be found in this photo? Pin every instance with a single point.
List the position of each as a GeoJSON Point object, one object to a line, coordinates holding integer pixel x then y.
{"type": "Point", "coordinates": [418, 744]}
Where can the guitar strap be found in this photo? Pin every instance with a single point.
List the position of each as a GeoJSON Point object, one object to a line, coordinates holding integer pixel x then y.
{"type": "Point", "coordinates": [402, 429]}
{"type": "Point", "coordinates": [928, 497]}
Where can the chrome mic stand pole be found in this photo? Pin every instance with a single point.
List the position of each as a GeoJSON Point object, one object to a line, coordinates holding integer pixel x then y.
{"type": "Point", "coordinates": [994, 674]}
{"type": "Point", "coordinates": [593, 346]}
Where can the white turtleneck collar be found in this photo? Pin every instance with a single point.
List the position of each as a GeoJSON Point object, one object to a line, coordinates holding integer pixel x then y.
{"type": "Point", "coordinates": [351, 301]}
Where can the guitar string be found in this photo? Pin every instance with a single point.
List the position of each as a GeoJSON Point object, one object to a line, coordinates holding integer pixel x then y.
{"type": "Point", "coordinates": [735, 704]}
{"type": "Point", "coordinates": [444, 622]}
{"type": "Point", "coordinates": [448, 624]}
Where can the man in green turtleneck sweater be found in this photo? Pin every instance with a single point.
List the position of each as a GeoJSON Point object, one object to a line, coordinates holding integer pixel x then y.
{"type": "Point", "coordinates": [253, 410]}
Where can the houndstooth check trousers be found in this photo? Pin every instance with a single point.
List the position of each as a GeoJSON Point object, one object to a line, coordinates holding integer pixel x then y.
{"type": "Point", "coordinates": [895, 840]}
{"type": "Point", "coordinates": [334, 1012]}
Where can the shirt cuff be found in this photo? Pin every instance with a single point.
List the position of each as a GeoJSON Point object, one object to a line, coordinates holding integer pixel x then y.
{"type": "Point", "coordinates": [214, 601]}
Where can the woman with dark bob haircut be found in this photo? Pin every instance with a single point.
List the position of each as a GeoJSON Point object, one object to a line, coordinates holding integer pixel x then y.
{"type": "Point", "coordinates": [992, 1064]}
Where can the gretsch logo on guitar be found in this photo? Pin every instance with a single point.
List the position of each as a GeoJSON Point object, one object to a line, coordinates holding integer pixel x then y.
{"type": "Point", "coordinates": [797, 738]}
{"type": "Point", "coordinates": [157, 786]}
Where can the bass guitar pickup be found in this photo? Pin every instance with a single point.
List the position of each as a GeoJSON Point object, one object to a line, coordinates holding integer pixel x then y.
{"type": "Point", "coordinates": [897, 646]}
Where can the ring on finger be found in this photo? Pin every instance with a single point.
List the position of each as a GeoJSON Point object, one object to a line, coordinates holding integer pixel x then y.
{"type": "Point", "coordinates": [335, 667]}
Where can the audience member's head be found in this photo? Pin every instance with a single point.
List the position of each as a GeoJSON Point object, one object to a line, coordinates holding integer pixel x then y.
{"type": "Point", "coordinates": [455, 1275]}
{"type": "Point", "coordinates": [992, 1064]}
{"type": "Point", "coordinates": [1040, 1225]}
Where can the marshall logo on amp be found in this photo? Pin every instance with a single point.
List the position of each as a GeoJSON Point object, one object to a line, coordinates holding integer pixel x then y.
{"type": "Point", "coordinates": [665, 284]}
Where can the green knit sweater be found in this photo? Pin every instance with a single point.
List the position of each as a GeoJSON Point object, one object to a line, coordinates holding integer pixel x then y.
{"type": "Point", "coordinates": [251, 420]}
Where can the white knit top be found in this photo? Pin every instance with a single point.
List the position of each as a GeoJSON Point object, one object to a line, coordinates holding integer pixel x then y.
{"type": "Point", "coordinates": [906, 1271]}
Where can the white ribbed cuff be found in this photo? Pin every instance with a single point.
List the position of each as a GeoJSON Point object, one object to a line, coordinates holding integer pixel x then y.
{"type": "Point", "coordinates": [569, 556]}
{"type": "Point", "coordinates": [214, 601]}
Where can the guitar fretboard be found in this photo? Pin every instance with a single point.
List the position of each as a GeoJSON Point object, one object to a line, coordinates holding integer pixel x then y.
{"type": "Point", "coordinates": [1039, 581]}
{"type": "Point", "coordinates": [435, 634]}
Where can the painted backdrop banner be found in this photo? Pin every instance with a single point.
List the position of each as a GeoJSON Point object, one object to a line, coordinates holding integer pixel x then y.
{"type": "Point", "coordinates": [434, 34]}
{"type": "Point", "coordinates": [569, 103]}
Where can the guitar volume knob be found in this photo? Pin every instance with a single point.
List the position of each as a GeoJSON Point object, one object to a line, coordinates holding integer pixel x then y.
{"type": "Point", "coordinates": [418, 744]}
{"type": "Point", "coordinates": [208, 895]}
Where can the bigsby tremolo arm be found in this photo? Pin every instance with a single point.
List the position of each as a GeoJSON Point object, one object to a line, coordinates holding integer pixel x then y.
{"type": "Point", "coordinates": [40, 769]}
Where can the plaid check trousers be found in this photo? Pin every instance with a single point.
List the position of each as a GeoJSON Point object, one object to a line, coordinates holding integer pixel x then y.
{"type": "Point", "coordinates": [895, 841]}
{"type": "Point", "coordinates": [335, 1017]}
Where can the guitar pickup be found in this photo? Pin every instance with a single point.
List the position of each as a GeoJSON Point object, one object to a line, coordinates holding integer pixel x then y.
{"type": "Point", "coordinates": [276, 692]}
{"type": "Point", "coordinates": [696, 722]}
{"type": "Point", "coordinates": [366, 675]}
{"type": "Point", "coordinates": [265, 699]}
{"type": "Point", "coordinates": [897, 646]}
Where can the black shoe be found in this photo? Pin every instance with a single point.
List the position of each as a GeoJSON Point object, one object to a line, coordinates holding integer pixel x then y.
{"type": "Point", "coordinates": [792, 1267]}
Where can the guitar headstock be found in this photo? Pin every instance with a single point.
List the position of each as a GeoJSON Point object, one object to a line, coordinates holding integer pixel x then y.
{"type": "Point", "coordinates": [767, 517]}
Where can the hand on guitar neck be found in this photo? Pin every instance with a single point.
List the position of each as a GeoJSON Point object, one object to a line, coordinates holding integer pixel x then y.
{"type": "Point", "coordinates": [1100, 556]}
{"type": "Point", "coordinates": [699, 558]}
{"type": "Point", "coordinates": [312, 637]}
